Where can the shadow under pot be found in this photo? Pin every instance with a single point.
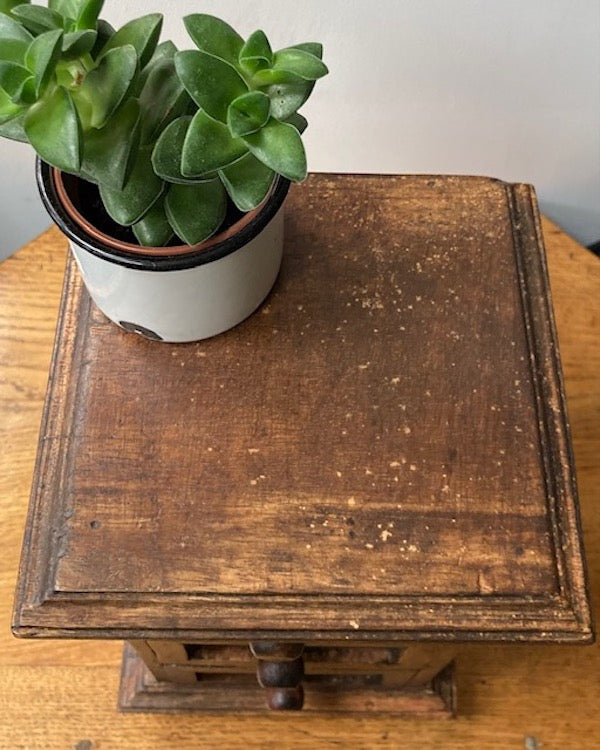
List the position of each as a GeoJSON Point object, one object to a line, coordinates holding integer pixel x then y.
{"type": "Point", "coordinates": [176, 293]}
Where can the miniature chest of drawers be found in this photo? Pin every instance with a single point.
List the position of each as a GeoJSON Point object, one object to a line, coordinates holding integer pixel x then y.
{"type": "Point", "coordinates": [309, 510]}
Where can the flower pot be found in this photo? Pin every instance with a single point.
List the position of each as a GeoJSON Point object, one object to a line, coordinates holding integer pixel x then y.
{"type": "Point", "coordinates": [174, 294]}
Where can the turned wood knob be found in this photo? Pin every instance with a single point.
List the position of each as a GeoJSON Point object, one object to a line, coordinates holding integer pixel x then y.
{"type": "Point", "coordinates": [286, 699]}
{"type": "Point", "coordinates": [274, 674]}
{"type": "Point", "coordinates": [280, 670]}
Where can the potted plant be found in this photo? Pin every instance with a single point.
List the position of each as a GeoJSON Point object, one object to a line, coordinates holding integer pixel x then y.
{"type": "Point", "coordinates": [165, 169]}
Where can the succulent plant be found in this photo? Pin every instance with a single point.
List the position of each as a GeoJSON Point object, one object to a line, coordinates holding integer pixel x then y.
{"type": "Point", "coordinates": [168, 136]}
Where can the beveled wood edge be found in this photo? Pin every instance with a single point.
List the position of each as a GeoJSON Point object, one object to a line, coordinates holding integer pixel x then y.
{"type": "Point", "coordinates": [551, 402]}
{"type": "Point", "coordinates": [291, 618]}
{"type": "Point", "coordinates": [35, 613]}
{"type": "Point", "coordinates": [34, 583]}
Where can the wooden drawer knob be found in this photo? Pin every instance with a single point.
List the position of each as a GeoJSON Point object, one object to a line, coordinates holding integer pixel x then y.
{"type": "Point", "coordinates": [285, 699]}
{"type": "Point", "coordinates": [275, 674]}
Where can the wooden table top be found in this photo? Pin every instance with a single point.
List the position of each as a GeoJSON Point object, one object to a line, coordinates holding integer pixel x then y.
{"type": "Point", "coordinates": [61, 694]}
{"type": "Point", "coordinates": [380, 451]}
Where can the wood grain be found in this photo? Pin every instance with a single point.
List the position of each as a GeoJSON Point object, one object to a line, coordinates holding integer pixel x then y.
{"type": "Point", "coordinates": [61, 695]}
{"type": "Point", "coordinates": [381, 449]}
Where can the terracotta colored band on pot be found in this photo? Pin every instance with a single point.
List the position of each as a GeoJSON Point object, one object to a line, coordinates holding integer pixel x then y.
{"type": "Point", "coordinates": [167, 258]}
{"type": "Point", "coordinates": [129, 247]}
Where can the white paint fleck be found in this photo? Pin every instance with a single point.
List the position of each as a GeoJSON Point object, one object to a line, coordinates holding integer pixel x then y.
{"type": "Point", "coordinates": [354, 624]}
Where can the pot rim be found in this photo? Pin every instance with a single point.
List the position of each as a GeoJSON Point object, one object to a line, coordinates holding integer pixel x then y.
{"type": "Point", "coordinates": [156, 259]}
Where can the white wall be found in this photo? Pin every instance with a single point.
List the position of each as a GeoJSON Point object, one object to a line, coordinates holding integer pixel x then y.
{"type": "Point", "coordinates": [507, 88]}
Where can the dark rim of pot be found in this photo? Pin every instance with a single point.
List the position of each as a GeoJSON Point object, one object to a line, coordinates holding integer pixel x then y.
{"type": "Point", "coordinates": [167, 262]}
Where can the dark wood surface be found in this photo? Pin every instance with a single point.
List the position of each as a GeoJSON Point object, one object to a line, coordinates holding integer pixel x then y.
{"type": "Point", "coordinates": [59, 694]}
{"type": "Point", "coordinates": [381, 448]}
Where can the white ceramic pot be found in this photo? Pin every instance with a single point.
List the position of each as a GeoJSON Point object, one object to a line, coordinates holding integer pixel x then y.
{"type": "Point", "coordinates": [176, 294]}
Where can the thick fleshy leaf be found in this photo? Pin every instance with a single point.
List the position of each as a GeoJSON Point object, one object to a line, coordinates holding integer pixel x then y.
{"type": "Point", "coordinates": [67, 8]}
{"type": "Point", "coordinates": [279, 146]}
{"type": "Point", "coordinates": [12, 79]}
{"type": "Point", "coordinates": [214, 36]}
{"type": "Point", "coordinates": [37, 19]}
{"type": "Point", "coordinates": [109, 153]}
{"type": "Point", "coordinates": [196, 211]}
{"type": "Point", "coordinates": [299, 122]}
{"type": "Point", "coordinates": [248, 113]}
{"type": "Point", "coordinates": [166, 156]}
{"type": "Point", "coordinates": [104, 32]}
{"type": "Point", "coordinates": [287, 98]}
{"type": "Point", "coordinates": [164, 51]}
{"type": "Point", "coordinates": [7, 5]}
{"type": "Point", "coordinates": [88, 14]}
{"type": "Point", "coordinates": [163, 98]}
{"type": "Point", "coordinates": [8, 108]}
{"type": "Point", "coordinates": [14, 40]}
{"type": "Point", "coordinates": [142, 33]}
{"type": "Point", "coordinates": [105, 87]}
{"type": "Point", "coordinates": [256, 52]}
{"type": "Point", "coordinates": [154, 229]}
{"type": "Point", "coordinates": [301, 63]}
{"type": "Point", "coordinates": [247, 181]}
{"type": "Point", "coordinates": [313, 48]}
{"type": "Point", "coordinates": [208, 146]}
{"type": "Point", "coordinates": [270, 76]}
{"type": "Point", "coordinates": [11, 29]}
{"type": "Point", "coordinates": [54, 130]}
{"type": "Point", "coordinates": [43, 54]}
{"type": "Point", "coordinates": [78, 43]}
{"type": "Point", "coordinates": [142, 190]}
{"type": "Point", "coordinates": [212, 83]}
{"type": "Point", "coordinates": [14, 128]}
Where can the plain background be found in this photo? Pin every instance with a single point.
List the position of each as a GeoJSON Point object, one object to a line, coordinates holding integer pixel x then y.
{"type": "Point", "coordinates": [505, 88]}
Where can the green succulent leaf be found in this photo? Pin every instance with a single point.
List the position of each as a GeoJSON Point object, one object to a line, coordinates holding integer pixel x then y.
{"type": "Point", "coordinates": [12, 79]}
{"type": "Point", "coordinates": [37, 19]}
{"type": "Point", "coordinates": [270, 76]}
{"type": "Point", "coordinates": [8, 108]}
{"type": "Point", "coordinates": [154, 229]}
{"type": "Point", "coordinates": [196, 211]}
{"type": "Point", "coordinates": [301, 63]}
{"type": "Point", "coordinates": [212, 83]}
{"type": "Point", "coordinates": [215, 37]}
{"type": "Point", "coordinates": [105, 87]}
{"type": "Point", "coordinates": [43, 54]}
{"type": "Point", "coordinates": [14, 40]}
{"type": "Point", "coordinates": [247, 182]}
{"type": "Point", "coordinates": [143, 188]}
{"type": "Point", "coordinates": [7, 5]}
{"type": "Point", "coordinates": [163, 98]}
{"type": "Point", "coordinates": [287, 98]}
{"type": "Point", "coordinates": [248, 113]}
{"type": "Point", "coordinates": [141, 33]}
{"type": "Point", "coordinates": [256, 52]}
{"type": "Point", "coordinates": [54, 130]}
{"type": "Point", "coordinates": [109, 153]}
{"type": "Point", "coordinates": [279, 146]}
{"type": "Point", "coordinates": [89, 11]}
{"type": "Point", "coordinates": [11, 29]}
{"type": "Point", "coordinates": [313, 48]}
{"type": "Point", "coordinates": [298, 121]}
{"type": "Point", "coordinates": [164, 51]}
{"type": "Point", "coordinates": [209, 146]}
{"type": "Point", "coordinates": [78, 43]}
{"type": "Point", "coordinates": [13, 127]}
{"type": "Point", "coordinates": [104, 32]}
{"type": "Point", "coordinates": [166, 156]}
